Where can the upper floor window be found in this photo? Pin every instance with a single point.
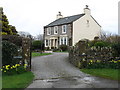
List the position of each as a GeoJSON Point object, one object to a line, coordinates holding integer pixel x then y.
{"type": "Point", "coordinates": [56, 30]}
{"type": "Point", "coordinates": [64, 28]}
{"type": "Point", "coordinates": [48, 30]}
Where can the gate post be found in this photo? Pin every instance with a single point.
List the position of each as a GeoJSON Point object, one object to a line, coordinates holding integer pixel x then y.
{"type": "Point", "coordinates": [26, 51]}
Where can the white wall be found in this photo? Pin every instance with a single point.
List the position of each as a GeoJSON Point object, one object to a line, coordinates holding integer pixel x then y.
{"type": "Point", "coordinates": [81, 31]}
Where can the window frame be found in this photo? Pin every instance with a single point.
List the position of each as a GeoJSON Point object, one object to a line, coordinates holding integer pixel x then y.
{"type": "Point", "coordinates": [46, 43]}
{"type": "Point", "coordinates": [49, 31]}
{"type": "Point", "coordinates": [55, 29]}
{"type": "Point", "coordinates": [64, 28]}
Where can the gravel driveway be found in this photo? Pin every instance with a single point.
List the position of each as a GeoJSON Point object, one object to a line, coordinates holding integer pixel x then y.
{"type": "Point", "coordinates": [54, 71]}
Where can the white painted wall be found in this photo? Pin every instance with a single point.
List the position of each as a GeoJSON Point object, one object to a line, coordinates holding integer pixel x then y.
{"type": "Point", "coordinates": [81, 31]}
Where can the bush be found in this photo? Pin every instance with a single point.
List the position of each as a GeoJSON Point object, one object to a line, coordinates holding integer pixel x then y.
{"type": "Point", "coordinates": [116, 47]}
{"type": "Point", "coordinates": [8, 51]}
{"type": "Point", "coordinates": [37, 44]}
{"type": "Point", "coordinates": [13, 69]}
{"type": "Point", "coordinates": [101, 44]}
{"type": "Point", "coordinates": [113, 64]}
{"type": "Point", "coordinates": [63, 47]}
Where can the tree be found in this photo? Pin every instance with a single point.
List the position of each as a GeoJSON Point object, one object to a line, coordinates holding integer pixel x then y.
{"type": "Point", "coordinates": [37, 45]}
{"type": "Point", "coordinates": [39, 37]}
{"type": "Point", "coordinates": [4, 25]}
{"type": "Point", "coordinates": [25, 34]}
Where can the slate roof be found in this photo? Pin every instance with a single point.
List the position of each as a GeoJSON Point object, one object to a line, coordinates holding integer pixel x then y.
{"type": "Point", "coordinates": [65, 20]}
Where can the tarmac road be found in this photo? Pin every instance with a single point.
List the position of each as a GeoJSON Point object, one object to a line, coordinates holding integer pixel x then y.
{"type": "Point", "coordinates": [54, 71]}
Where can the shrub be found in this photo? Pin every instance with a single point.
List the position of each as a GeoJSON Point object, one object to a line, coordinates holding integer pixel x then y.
{"type": "Point", "coordinates": [101, 44]}
{"type": "Point", "coordinates": [37, 44]}
{"type": "Point", "coordinates": [116, 47]}
{"type": "Point", "coordinates": [8, 51]}
{"type": "Point", "coordinates": [113, 64]}
{"type": "Point", "coordinates": [13, 69]}
{"type": "Point", "coordinates": [63, 47]}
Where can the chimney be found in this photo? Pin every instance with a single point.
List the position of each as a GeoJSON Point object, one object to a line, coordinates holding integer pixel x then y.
{"type": "Point", "coordinates": [1, 10]}
{"type": "Point", "coordinates": [87, 10]}
{"type": "Point", "coordinates": [59, 15]}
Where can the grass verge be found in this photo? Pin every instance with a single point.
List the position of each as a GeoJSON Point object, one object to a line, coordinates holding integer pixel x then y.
{"type": "Point", "coordinates": [35, 54]}
{"type": "Point", "coordinates": [17, 80]}
{"type": "Point", "coordinates": [112, 74]}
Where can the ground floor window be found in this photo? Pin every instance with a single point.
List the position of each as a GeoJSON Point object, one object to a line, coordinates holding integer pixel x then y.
{"type": "Point", "coordinates": [63, 40]}
{"type": "Point", "coordinates": [46, 42]}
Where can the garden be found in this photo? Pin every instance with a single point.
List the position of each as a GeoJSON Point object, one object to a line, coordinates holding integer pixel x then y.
{"type": "Point", "coordinates": [98, 57]}
{"type": "Point", "coordinates": [14, 66]}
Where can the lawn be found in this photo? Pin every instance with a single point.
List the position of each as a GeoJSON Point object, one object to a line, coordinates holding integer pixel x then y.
{"type": "Point", "coordinates": [105, 73]}
{"type": "Point", "coordinates": [61, 51]}
{"type": "Point", "coordinates": [17, 80]}
{"type": "Point", "coordinates": [35, 54]}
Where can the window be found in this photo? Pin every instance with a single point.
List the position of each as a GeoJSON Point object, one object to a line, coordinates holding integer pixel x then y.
{"type": "Point", "coordinates": [46, 42]}
{"type": "Point", "coordinates": [56, 30]}
{"type": "Point", "coordinates": [64, 28]}
{"type": "Point", "coordinates": [63, 40]}
{"type": "Point", "coordinates": [48, 31]}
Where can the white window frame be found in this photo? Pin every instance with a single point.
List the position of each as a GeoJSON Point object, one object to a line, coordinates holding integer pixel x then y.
{"type": "Point", "coordinates": [64, 27]}
{"type": "Point", "coordinates": [49, 31]}
{"type": "Point", "coordinates": [56, 29]}
{"type": "Point", "coordinates": [46, 43]}
{"type": "Point", "coordinates": [62, 40]}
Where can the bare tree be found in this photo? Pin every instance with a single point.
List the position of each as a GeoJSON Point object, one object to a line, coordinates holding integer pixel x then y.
{"type": "Point", "coordinates": [104, 35]}
{"type": "Point", "coordinates": [39, 37]}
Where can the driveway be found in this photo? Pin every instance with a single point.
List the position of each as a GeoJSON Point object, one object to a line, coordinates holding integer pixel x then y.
{"type": "Point", "coordinates": [54, 71]}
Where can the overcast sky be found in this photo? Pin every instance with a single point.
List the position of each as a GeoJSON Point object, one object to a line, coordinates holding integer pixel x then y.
{"type": "Point", "coordinates": [31, 15]}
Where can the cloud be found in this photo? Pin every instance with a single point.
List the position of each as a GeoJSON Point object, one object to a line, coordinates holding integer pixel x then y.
{"type": "Point", "coordinates": [32, 15]}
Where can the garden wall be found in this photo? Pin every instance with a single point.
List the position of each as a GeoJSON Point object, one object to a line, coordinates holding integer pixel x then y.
{"type": "Point", "coordinates": [82, 53]}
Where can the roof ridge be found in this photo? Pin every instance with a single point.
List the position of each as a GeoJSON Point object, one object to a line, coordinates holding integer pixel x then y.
{"type": "Point", "coordinates": [73, 15]}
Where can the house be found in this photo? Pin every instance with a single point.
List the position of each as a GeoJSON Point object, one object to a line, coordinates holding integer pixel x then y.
{"type": "Point", "coordinates": [69, 30]}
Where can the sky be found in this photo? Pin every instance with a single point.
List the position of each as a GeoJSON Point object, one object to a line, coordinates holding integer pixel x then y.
{"type": "Point", "coordinates": [32, 15]}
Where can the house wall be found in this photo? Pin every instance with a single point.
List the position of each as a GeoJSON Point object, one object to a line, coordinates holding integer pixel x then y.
{"type": "Point", "coordinates": [83, 30]}
{"type": "Point", "coordinates": [68, 34]}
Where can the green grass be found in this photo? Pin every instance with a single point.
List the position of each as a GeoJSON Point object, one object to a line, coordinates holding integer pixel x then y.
{"type": "Point", "coordinates": [105, 73]}
{"type": "Point", "coordinates": [60, 51]}
{"type": "Point", "coordinates": [17, 80]}
{"type": "Point", "coordinates": [35, 54]}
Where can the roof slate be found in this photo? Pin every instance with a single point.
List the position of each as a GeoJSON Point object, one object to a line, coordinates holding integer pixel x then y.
{"type": "Point", "coordinates": [65, 20]}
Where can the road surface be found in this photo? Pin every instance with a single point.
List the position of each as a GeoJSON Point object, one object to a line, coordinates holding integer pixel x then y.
{"type": "Point", "coordinates": [55, 71]}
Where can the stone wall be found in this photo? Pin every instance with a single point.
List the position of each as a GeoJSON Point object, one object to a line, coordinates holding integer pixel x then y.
{"type": "Point", "coordinates": [81, 53]}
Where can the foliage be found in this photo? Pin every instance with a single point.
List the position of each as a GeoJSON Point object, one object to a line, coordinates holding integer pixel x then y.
{"type": "Point", "coordinates": [17, 40]}
{"type": "Point", "coordinates": [8, 51]}
{"type": "Point", "coordinates": [35, 54]}
{"type": "Point", "coordinates": [37, 44]}
{"type": "Point", "coordinates": [99, 43]}
{"type": "Point", "coordinates": [105, 73]}
{"type": "Point", "coordinates": [13, 69]}
{"type": "Point", "coordinates": [116, 47]}
{"type": "Point", "coordinates": [6, 28]}
{"type": "Point", "coordinates": [17, 80]}
{"type": "Point", "coordinates": [63, 47]}
{"type": "Point", "coordinates": [94, 64]}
